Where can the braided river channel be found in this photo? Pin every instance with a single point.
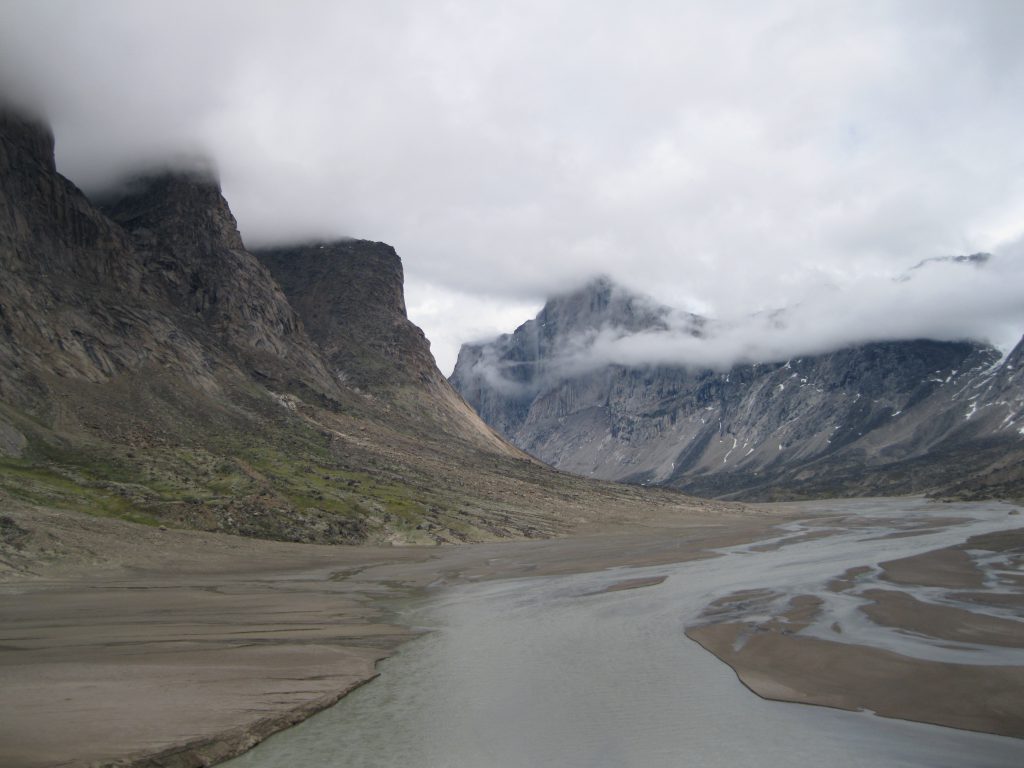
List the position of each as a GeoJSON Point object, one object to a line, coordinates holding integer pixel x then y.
{"type": "Point", "coordinates": [555, 671]}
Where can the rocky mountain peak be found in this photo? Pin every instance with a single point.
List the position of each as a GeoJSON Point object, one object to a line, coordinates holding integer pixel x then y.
{"type": "Point", "coordinates": [350, 296]}
{"type": "Point", "coordinates": [153, 368]}
{"type": "Point", "coordinates": [89, 294]}
{"type": "Point", "coordinates": [599, 303]}
{"type": "Point", "coordinates": [861, 419]}
{"type": "Point", "coordinates": [556, 342]}
{"type": "Point", "coordinates": [25, 143]}
{"type": "Point", "coordinates": [179, 209]}
{"type": "Point", "coordinates": [41, 207]}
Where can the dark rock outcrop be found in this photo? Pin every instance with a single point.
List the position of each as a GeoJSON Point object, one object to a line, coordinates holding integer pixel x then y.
{"type": "Point", "coordinates": [188, 240]}
{"type": "Point", "coordinates": [152, 368]}
{"type": "Point", "coordinates": [54, 248]}
{"type": "Point", "coordinates": [350, 296]}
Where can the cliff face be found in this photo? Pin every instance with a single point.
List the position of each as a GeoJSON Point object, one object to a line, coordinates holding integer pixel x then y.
{"type": "Point", "coordinates": [188, 242]}
{"type": "Point", "coordinates": [161, 280]}
{"type": "Point", "coordinates": [152, 368]}
{"type": "Point", "coordinates": [506, 380]}
{"type": "Point", "coordinates": [55, 246]}
{"type": "Point", "coordinates": [350, 297]}
{"type": "Point", "coordinates": [893, 417]}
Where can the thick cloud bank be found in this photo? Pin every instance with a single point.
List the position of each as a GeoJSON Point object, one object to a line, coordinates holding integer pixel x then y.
{"type": "Point", "coordinates": [727, 157]}
{"type": "Point", "coordinates": [916, 305]}
{"type": "Point", "coordinates": [950, 299]}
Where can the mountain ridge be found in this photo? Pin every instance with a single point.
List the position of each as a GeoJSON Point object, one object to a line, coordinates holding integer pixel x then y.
{"type": "Point", "coordinates": [861, 419]}
{"type": "Point", "coordinates": [153, 369]}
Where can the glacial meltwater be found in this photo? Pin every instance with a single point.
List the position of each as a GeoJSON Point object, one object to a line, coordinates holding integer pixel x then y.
{"type": "Point", "coordinates": [551, 671]}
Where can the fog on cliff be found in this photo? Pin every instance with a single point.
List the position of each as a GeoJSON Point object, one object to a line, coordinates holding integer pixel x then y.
{"type": "Point", "coordinates": [727, 158]}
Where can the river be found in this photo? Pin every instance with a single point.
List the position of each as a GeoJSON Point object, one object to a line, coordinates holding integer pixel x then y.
{"type": "Point", "coordinates": [551, 671]}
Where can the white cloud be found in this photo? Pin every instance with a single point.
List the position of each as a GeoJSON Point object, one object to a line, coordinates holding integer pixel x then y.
{"type": "Point", "coordinates": [728, 157]}
{"type": "Point", "coordinates": [925, 302]}
{"type": "Point", "coordinates": [433, 306]}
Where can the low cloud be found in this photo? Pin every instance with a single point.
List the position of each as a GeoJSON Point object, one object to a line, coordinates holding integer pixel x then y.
{"type": "Point", "coordinates": [727, 157]}
{"type": "Point", "coordinates": [949, 299]}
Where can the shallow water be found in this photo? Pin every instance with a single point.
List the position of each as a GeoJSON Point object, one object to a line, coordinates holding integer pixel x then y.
{"type": "Point", "coordinates": [543, 672]}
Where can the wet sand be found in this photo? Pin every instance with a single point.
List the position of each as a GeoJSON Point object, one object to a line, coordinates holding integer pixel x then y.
{"type": "Point", "coordinates": [622, 586]}
{"type": "Point", "coordinates": [900, 610]}
{"type": "Point", "coordinates": [772, 658]}
{"type": "Point", "coordinates": [808, 670]}
{"type": "Point", "coordinates": [952, 568]}
{"type": "Point", "coordinates": [177, 669]}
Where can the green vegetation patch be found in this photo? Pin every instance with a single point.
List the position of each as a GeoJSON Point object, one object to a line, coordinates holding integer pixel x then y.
{"type": "Point", "coordinates": [48, 486]}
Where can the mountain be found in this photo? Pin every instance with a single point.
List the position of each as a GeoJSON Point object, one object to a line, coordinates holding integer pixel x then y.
{"type": "Point", "coordinates": [154, 369]}
{"type": "Point", "coordinates": [887, 417]}
{"type": "Point", "coordinates": [349, 296]}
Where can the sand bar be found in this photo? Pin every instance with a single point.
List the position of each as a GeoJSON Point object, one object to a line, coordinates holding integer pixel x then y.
{"type": "Point", "coordinates": [972, 603]}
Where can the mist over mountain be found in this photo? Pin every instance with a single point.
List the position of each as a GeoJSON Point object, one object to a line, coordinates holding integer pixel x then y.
{"type": "Point", "coordinates": [154, 369]}
{"type": "Point", "coordinates": [606, 383]}
{"type": "Point", "coordinates": [604, 323]}
{"type": "Point", "coordinates": [728, 160]}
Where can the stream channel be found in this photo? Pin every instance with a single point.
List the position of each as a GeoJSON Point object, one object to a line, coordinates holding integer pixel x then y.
{"type": "Point", "coordinates": [551, 671]}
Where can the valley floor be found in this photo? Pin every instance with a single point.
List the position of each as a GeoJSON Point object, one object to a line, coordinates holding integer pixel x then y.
{"type": "Point", "coordinates": [128, 645]}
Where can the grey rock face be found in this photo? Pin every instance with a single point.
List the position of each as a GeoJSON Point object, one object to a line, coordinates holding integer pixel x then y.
{"type": "Point", "coordinates": [504, 379]}
{"type": "Point", "coordinates": [187, 239]}
{"type": "Point", "coordinates": [350, 296]}
{"type": "Point", "coordinates": [160, 278]}
{"type": "Point", "coordinates": [152, 367]}
{"type": "Point", "coordinates": [882, 417]}
{"type": "Point", "coordinates": [12, 442]}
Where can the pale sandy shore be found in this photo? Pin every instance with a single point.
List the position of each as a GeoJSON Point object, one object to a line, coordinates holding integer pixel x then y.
{"type": "Point", "coordinates": [130, 646]}
{"type": "Point", "coordinates": [775, 661]}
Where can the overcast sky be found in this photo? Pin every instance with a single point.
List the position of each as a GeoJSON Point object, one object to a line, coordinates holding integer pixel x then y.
{"type": "Point", "coordinates": [724, 157]}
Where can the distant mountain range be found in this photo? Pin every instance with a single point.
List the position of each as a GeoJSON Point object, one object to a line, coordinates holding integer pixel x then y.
{"type": "Point", "coordinates": [915, 416]}
{"type": "Point", "coordinates": [154, 369]}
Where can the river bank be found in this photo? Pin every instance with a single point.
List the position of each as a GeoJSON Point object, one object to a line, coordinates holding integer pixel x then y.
{"type": "Point", "coordinates": [133, 646]}
{"type": "Point", "coordinates": [936, 636]}
{"type": "Point", "coordinates": [183, 649]}
{"type": "Point", "coordinates": [592, 670]}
